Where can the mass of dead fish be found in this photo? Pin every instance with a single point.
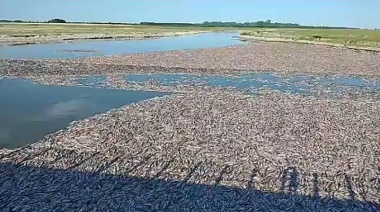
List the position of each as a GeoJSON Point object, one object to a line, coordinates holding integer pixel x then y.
{"type": "Point", "coordinates": [205, 148]}
{"type": "Point", "coordinates": [274, 143]}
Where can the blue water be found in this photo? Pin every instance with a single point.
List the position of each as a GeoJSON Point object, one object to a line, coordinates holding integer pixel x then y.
{"type": "Point", "coordinates": [242, 82]}
{"type": "Point", "coordinates": [298, 84]}
{"type": "Point", "coordinates": [28, 111]}
{"type": "Point", "coordinates": [112, 47]}
{"type": "Point", "coordinates": [93, 81]}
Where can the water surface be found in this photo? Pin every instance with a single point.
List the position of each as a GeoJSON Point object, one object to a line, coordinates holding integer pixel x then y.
{"type": "Point", "coordinates": [112, 47]}
{"type": "Point", "coordinates": [296, 84]}
{"type": "Point", "coordinates": [28, 111]}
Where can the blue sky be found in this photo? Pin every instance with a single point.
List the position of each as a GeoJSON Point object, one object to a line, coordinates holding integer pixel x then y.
{"type": "Point", "coordinates": [354, 13]}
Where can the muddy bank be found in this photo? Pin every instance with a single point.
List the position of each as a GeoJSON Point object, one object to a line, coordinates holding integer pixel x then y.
{"type": "Point", "coordinates": [290, 145]}
{"type": "Point", "coordinates": [57, 38]}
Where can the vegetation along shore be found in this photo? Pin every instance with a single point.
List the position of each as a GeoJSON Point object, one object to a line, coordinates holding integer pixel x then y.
{"type": "Point", "coordinates": [34, 33]}
{"type": "Point", "coordinates": [57, 30]}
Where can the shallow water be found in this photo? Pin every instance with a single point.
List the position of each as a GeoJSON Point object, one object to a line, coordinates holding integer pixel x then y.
{"type": "Point", "coordinates": [299, 84]}
{"type": "Point", "coordinates": [28, 111]}
{"type": "Point", "coordinates": [112, 47]}
{"type": "Point", "coordinates": [294, 84]}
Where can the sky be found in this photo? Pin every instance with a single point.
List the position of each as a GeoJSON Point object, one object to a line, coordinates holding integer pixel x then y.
{"type": "Point", "coordinates": [348, 13]}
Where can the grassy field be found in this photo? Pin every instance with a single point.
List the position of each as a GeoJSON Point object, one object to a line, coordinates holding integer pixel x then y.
{"type": "Point", "coordinates": [349, 37]}
{"type": "Point", "coordinates": [26, 29]}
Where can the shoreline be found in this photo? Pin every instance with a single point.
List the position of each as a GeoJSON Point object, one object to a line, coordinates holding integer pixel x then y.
{"type": "Point", "coordinates": [62, 38]}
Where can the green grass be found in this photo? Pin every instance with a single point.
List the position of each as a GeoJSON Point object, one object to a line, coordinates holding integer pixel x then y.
{"type": "Point", "coordinates": [355, 37]}
{"type": "Point", "coordinates": [352, 37]}
{"type": "Point", "coordinates": [30, 29]}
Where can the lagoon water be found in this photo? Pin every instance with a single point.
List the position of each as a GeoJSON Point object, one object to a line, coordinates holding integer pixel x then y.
{"type": "Point", "coordinates": [112, 47]}
{"type": "Point", "coordinates": [296, 84]}
{"type": "Point", "coordinates": [29, 111]}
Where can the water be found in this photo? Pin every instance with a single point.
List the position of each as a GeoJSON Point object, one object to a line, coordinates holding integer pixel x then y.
{"type": "Point", "coordinates": [296, 84]}
{"type": "Point", "coordinates": [28, 111]}
{"type": "Point", "coordinates": [112, 47]}
{"type": "Point", "coordinates": [93, 81]}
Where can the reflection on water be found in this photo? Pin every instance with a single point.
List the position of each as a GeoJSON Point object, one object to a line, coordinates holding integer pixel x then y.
{"type": "Point", "coordinates": [112, 47]}
{"type": "Point", "coordinates": [28, 112]}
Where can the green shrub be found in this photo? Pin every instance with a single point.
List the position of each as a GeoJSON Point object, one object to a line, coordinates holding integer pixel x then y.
{"type": "Point", "coordinates": [317, 37]}
{"type": "Point", "coordinates": [56, 20]}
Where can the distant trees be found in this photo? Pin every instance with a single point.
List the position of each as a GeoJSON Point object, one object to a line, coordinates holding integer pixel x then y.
{"type": "Point", "coordinates": [267, 23]}
{"type": "Point", "coordinates": [56, 20]}
{"type": "Point", "coordinates": [167, 24]}
{"type": "Point", "coordinates": [257, 24]}
{"type": "Point", "coordinates": [10, 21]}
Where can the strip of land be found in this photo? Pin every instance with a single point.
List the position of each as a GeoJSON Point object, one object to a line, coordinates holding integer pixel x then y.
{"type": "Point", "coordinates": [28, 33]}
{"type": "Point", "coordinates": [349, 38]}
{"type": "Point", "coordinates": [33, 33]}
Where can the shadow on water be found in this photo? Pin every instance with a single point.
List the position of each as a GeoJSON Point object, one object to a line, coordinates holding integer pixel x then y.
{"type": "Point", "coordinates": [42, 189]}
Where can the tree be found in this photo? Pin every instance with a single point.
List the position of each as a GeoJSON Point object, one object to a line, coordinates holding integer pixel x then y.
{"type": "Point", "coordinates": [56, 20]}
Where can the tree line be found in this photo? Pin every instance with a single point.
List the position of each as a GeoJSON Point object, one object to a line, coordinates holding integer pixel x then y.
{"type": "Point", "coordinates": [257, 24]}
{"type": "Point", "coordinates": [54, 20]}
